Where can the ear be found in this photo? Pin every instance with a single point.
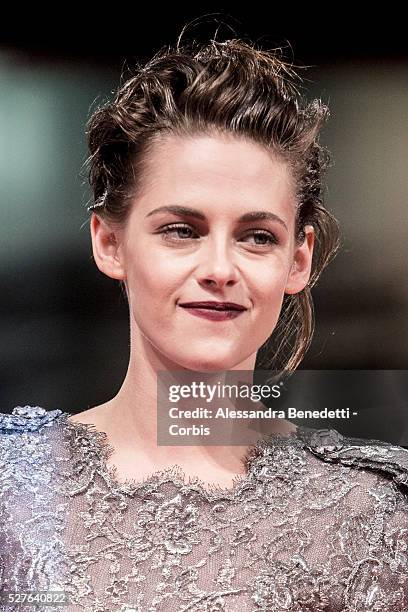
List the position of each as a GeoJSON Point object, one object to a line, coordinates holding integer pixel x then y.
{"type": "Point", "coordinates": [299, 273]}
{"type": "Point", "coordinates": [106, 248]}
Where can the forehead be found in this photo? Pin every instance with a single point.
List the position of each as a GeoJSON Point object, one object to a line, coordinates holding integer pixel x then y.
{"type": "Point", "coordinates": [224, 173]}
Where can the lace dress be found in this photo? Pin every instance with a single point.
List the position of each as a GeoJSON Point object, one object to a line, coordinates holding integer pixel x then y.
{"type": "Point", "coordinates": [319, 522]}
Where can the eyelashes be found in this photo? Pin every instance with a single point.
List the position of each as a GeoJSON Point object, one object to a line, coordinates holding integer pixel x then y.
{"type": "Point", "coordinates": [177, 228]}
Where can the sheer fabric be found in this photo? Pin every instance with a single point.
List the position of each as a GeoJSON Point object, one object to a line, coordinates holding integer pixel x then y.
{"type": "Point", "coordinates": [319, 522]}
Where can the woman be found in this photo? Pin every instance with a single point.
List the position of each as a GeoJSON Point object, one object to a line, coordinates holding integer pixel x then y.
{"type": "Point", "coordinates": [207, 173]}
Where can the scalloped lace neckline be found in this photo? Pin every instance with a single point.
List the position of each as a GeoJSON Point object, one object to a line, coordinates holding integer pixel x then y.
{"type": "Point", "coordinates": [173, 474]}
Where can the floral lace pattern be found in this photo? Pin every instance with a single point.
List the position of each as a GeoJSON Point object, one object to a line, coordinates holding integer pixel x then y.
{"type": "Point", "coordinates": [319, 523]}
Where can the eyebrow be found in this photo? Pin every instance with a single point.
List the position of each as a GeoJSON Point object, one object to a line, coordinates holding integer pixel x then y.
{"type": "Point", "coordinates": [255, 215]}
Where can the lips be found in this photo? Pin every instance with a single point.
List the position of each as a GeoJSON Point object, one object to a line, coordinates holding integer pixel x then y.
{"type": "Point", "coordinates": [214, 314]}
{"type": "Point", "coordinates": [214, 306]}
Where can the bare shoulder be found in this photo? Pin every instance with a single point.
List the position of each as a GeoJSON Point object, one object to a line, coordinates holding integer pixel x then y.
{"type": "Point", "coordinates": [93, 416]}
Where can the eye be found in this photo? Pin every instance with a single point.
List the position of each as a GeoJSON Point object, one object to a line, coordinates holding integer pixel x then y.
{"type": "Point", "coordinates": [268, 236]}
{"type": "Point", "coordinates": [176, 228]}
{"type": "Point", "coordinates": [184, 231]}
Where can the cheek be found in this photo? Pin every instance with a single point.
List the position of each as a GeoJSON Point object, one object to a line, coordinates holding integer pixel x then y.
{"type": "Point", "coordinates": [267, 295]}
{"type": "Point", "coordinates": [153, 283]}
{"type": "Point", "coordinates": [268, 283]}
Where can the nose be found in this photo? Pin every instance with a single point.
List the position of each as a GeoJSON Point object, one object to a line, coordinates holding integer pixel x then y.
{"type": "Point", "coordinates": [217, 266]}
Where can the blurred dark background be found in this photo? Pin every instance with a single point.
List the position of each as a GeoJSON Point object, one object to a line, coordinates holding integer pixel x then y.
{"type": "Point", "coordinates": [64, 326]}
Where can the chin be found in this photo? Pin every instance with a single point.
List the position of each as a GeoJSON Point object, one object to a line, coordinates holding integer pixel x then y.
{"type": "Point", "coordinates": [212, 364]}
{"type": "Point", "coordinates": [203, 355]}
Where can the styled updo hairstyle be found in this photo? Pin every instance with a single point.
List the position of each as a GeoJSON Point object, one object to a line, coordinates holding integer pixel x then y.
{"type": "Point", "coordinates": [220, 87]}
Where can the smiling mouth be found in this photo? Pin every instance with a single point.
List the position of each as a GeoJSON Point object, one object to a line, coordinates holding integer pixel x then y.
{"type": "Point", "coordinates": [221, 306]}
{"type": "Point", "coordinates": [213, 314]}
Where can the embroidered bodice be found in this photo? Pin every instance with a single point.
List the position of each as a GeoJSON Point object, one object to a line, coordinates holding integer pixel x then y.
{"type": "Point", "coordinates": [318, 523]}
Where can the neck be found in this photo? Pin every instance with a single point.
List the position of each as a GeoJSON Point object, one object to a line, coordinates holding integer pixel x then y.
{"type": "Point", "coordinates": [130, 418]}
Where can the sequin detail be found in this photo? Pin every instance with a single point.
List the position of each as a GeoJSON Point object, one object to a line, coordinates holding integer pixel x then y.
{"type": "Point", "coordinates": [318, 523]}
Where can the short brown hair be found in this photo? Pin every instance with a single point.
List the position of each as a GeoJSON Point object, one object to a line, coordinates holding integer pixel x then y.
{"type": "Point", "coordinates": [227, 87]}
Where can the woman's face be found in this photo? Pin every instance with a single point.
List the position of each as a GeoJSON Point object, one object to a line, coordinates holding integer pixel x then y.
{"type": "Point", "coordinates": [208, 251]}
